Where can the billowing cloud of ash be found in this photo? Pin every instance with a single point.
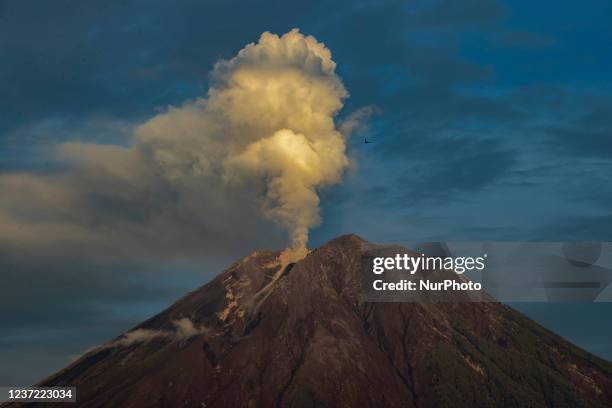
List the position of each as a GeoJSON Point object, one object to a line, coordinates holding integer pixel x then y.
{"type": "Point", "coordinates": [262, 141]}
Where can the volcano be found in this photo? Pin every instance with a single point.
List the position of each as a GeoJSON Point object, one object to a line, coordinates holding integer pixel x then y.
{"type": "Point", "coordinates": [263, 334]}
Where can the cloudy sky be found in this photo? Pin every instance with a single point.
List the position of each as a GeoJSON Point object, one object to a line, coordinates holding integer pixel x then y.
{"type": "Point", "coordinates": [488, 121]}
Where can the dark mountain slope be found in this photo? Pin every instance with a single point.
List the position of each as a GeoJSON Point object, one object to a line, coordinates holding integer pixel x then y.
{"type": "Point", "coordinates": [263, 335]}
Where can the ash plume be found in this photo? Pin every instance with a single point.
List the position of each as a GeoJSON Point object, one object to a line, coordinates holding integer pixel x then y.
{"type": "Point", "coordinates": [263, 141]}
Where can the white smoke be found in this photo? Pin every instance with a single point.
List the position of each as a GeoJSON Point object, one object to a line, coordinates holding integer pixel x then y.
{"type": "Point", "coordinates": [184, 329]}
{"type": "Point", "coordinates": [264, 135]}
{"type": "Point", "coordinates": [139, 336]}
{"type": "Point", "coordinates": [269, 115]}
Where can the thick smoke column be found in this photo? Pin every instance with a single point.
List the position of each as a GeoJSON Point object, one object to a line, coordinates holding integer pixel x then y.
{"type": "Point", "coordinates": [269, 115]}
{"type": "Point", "coordinates": [287, 90]}
{"type": "Point", "coordinates": [262, 140]}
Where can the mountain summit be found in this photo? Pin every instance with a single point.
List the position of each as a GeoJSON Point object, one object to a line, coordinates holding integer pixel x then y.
{"type": "Point", "coordinates": [264, 334]}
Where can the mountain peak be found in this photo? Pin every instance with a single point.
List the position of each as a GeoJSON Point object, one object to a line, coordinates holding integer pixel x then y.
{"type": "Point", "coordinates": [266, 334]}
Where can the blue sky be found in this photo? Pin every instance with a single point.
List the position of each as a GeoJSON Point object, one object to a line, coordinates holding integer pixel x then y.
{"type": "Point", "coordinates": [493, 122]}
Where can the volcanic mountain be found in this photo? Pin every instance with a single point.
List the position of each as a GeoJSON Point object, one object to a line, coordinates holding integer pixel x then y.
{"type": "Point", "coordinates": [264, 334]}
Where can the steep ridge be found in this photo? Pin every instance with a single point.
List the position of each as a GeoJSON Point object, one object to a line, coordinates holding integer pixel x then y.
{"type": "Point", "coordinates": [266, 334]}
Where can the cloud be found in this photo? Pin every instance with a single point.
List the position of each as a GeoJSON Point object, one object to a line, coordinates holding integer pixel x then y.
{"type": "Point", "coordinates": [138, 336]}
{"type": "Point", "coordinates": [197, 177]}
{"type": "Point", "coordinates": [184, 329]}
